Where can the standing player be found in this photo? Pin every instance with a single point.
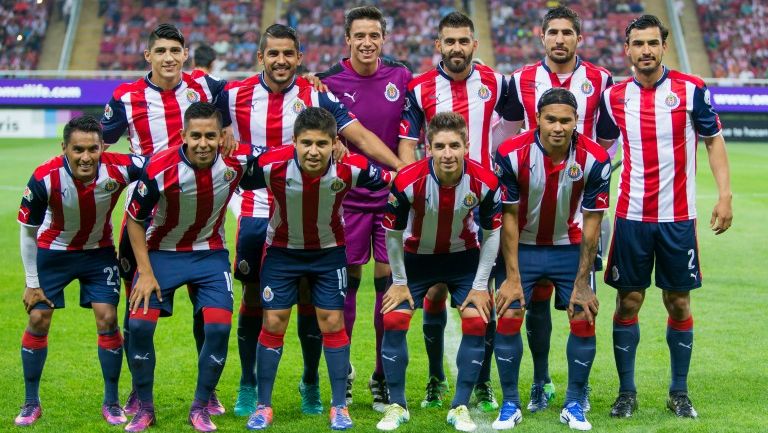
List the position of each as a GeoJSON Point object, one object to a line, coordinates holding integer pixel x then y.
{"type": "Point", "coordinates": [556, 182]}
{"type": "Point", "coordinates": [66, 234]}
{"type": "Point", "coordinates": [305, 239]}
{"type": "Point", "coordinates": [375, 90]}
{"type": "Point", "coordinates": [562, 67]}
{"type": "Point", "coordinates": [433, 201]}
{"type": "Point", "coordinates": [202, 61]}
{"type": "Point", "coordinates": [659, 114]}
{"type": "Point", "coordinates": [152, 109]}
{"type": "Point", "coordinates": [188, 188]}
{"type": "Point", "coordinates": [475, 92]}
{"type": "Point", "coordinates": [262, 110]}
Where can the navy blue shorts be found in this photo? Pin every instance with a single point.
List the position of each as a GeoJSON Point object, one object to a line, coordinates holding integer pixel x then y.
{"type": "Point", "coordinates": [637, 247]}
{"type": "Point", "coordinates": [206, 273]}
{"type": "Point", "coordinates": [251, 235]}
{"type": "Point", "coordinates": [96, 270]}
{"type": "Point", "coordinates": [455, 270]}
{"type": "Point", "coordinates": [325, 270]}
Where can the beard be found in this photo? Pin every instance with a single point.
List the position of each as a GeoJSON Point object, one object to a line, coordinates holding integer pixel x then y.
{"type": "Point", "coordinates": [457, 68]}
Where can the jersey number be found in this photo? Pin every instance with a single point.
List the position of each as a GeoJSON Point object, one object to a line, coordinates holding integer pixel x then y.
{"type": "Point", "coordinates": [112, 275]}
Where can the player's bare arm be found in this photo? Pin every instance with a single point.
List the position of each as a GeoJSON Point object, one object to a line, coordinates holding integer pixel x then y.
{"type": "Point", "coordinates": [406, 150]}
{"type": "Point", "coordinates": [146, 283]}
{"type": "Point", "coordinates": [371, 145]}
{"type": "Point", "coordinates": [510, 290]}
{"type": "Point", "coordinates": [722, 214]}
{"type": "Point", "coordinates": [582, 295]}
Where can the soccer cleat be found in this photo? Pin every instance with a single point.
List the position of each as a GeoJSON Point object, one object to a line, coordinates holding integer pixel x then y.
{"type": "Point", "coordinates": [509, 416]}
{"type": "Point", "coordinates": [260, 419]}
{"type": "Point", "coordinates": [585, 404]}
{"type": "Point", "coordinates": [131, 407]}
{"type": "Point", "coordinates": [350, 379]}
{"type": "Point", "coordinates": [310, 398]}
{"type": "Point", "coordinates": [486, 400]}
{"type": "Point", "coordinates": [538, 398]}
{"type": "Point", "coordinates": [380, 393]}
{"type": "Point", "coordinates": [436, 390]}
{"type": "Point", "coordinates": [394, 417]}
{"type": "Point", "coordinates": [340, 419]}
{"type": "Point", "coordinates": [214, 405]}
{"type": "Point", "coordinates": [30, 413]}
{"type": "Point", "coordinates": [246, 401]}
{"type": "Point", "coordinates": [200, 418]}
{"type": "Point", "coordinates": [625, 405]}
{"type": "Point", "coordinates": [549, 391]}
{"type": "Point", "coordinates": [573, 415]}
{"type": "Point", "coordinates": [114, 414]}
{"type": "Point", "coordinates": [679, 403]}
{"type": "Point", "coordinates": [459, 418]}
{"type": "Point", "coordinates": [141, 421]}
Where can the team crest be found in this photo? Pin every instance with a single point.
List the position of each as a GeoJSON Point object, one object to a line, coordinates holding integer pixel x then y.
{"type": "Point", "coordinates": [391, 92]}
{"type": "Point", "coordinates": [125, 264]}
{"type": "Point", "coordinates": [393, 201]}
{"type": "Point", "coordinates": [298, 106]}
{"type": "Point", "coordinates": [574, 172]}
{"type": "Point", "coordinates": [497, 169]}
{"type": "Point", "coordinates": [587, 88]}
{"type": "Point", "coordinates": [110, 185]}
{"type": "Point", "coordinates": [615, 273]}
{"type": "Point", "coordinates": [483, 92]}
{"type": "Point", "coordinates": [108, 112]}
{"type": "Point", "coordinates": [244, 267]}
{"type": "Point", "coordinates": [268, 295]}
{"type": "Point", "coordinates": [193, 96]}
{"type": "Point", "coordinates": [229, 174]}
{"type": "Point", "coordinates": [142, 189]}
{"type": "Point", "coordinates": [27, 194]}
{"type": "Point", "coordinates": [470, 200]}
{"type": "Point", "coordinates": [337, 185]}
{"type": "Point", "coordinates": [672, 101]}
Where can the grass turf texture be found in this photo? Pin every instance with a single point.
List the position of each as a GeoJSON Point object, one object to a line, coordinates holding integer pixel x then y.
{"type": "Point", "coordinates": [728, 380]}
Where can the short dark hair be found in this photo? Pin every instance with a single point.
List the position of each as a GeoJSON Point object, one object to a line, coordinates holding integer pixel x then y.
{"type": "Point", "coordinates": [315, 118]}
{"type": "Point", "coordinates": [202, 110]}
{"type": "Point", "coordinates": [204, 56]}
{"type": "Point", "coordinates": [165, 31]}
{"type": "Point", "coordinates": [644, 22]}
{"type": "Point", "coordinates": [447, 121]}
{"type": "Point", "coordinates": [279, 31]}
{"type": "Point", "coordinates": [557, 95]}
{"type": "Point", "coordinates": [561, 12]}
{"type": "Point", "coordinates": [454, 20]}
{"type": "Point", "coordinates": [84, 123]}
{"type": "Point", "coordinates": [364, 13]}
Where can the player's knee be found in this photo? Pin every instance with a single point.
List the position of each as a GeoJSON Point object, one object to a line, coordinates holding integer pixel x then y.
{"type": "Point", "coordinates": [628, 304]}
{"type": "Point", "coordinates": [475, 326]}
{"type": "Point", "coordinates": [582, 328]}
{"type": "Point", "coordinates": [437, 293]}
{"type": "Point", "coordinates": [678, 305]}
{"type": "Point", "coordinates": [276, 321]}
{"type": "Point", "coordinates": [330, 320]}
{"type": "Point", "coordinates": [40, 321]}
{"type": "Point", "coordinates": [106, 317]}
{"type": "Point", "coordinates": [355, 271]}
{"type": "Point", "coordinates": [397, 321]}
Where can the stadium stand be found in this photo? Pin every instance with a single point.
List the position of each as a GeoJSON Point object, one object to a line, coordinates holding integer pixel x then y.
{"type": "Point", "coordinates": [734, 34]}
{"type": "Point", "coordinates": [231, 27]}
{"type": "Point", "coordinates": [22, 31]}
{"type": "Point", "coordinates": [516, 31]}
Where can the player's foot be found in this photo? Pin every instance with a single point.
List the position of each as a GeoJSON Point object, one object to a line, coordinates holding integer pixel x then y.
{"type": "Point", "coordinates": [30, 413]}
{"type": "Point", "coordinates": [585, 404]}
{"type": "Point", "coordinates": [350, 379]}
{"type": "Point", "coordinates": [245, 404]}
{"type": "Point", "coordinates": [538, 398]}
{"type": "Point", "coordinates": [486, 400]}
{"type": "Point", "coordinates": [132, 404]}
{"type": "Point", "coordinates": [459, 418]}
{"type": "Point", "coordinates": [214, 405]}
{"type": "Point", "coordinates": [310, 398]}
{"type": "Point", "coordinates": [394, 417]}
{"type": "Point", "coordinates": [200, 418]}
{"type": "Point", "coordinates": [680, 404]}
{"type": "Point", "coordinates": [260, 419]}
{"type": "Point", "coordinates": [509, 416]}
{"type": "Point", "coordinates": [114, 414]}
{"type": "Point", "coordinates": [380, 393]}
{"type": "Point", "coordinates": [340, 419]}
{"type": "Point", "coordinates": [573, 415]}
{"type": "Point", "coordinates": [625, 405]}
{"type": "Point", "coordinates": [436, 390]}
{"type": "Point", "coordinates": [141, 421]}
{"type": "Point", "coordinates": [549, 391]}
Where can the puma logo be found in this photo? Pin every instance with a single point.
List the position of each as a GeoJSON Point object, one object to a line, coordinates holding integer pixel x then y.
{"type": "Point", "coordinates": [352, 96]}
{"type": "Point", "coordinates": [142, 358]}
{"type": "Point", "coordinates": [218, 361]}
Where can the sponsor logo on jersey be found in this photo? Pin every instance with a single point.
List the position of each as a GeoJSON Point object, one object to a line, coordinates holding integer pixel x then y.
{"type": "Point", "coordinates": [229, 174]}
{"type": "Point", "coordinates": [337, 185]}
{"type": "Point", "coordinates": [142, 189]}
{"type": "Point", "coordinates": [672, 101]}
{"type": "Point", "coordinates": [470, 200]}
{"type": "Point", "coordinates": [27, 194]}
{"type": "Point", "coordinates": [267, 294]}
{"type": "Point", "coordinates": [193, 96]}
{"type": "Point", "coordinates": [574, 172]}
{"type": "Point", "coordinates": [587, 88]}
{"type": "Point", "coordinates": [298, 106]}
{"type": "Point", "coordinates": [615, 273]}
{"type": "Point", "coordinates": [483, 92]}
{"type": "Point", "coordinates": [244, 267]}
{"type": "Point", "coordinates": [497, 169]}
{"type": "Point", "coordinates": [111, 185]}
{"type": "Point", "coordinates": [108, 113]}
{"type": "Point", "coordinates": [391, 92]}
{"type": "Point", "coordinates": [393, 201]}
{"type": "Point", "coordinates": [606, 173]}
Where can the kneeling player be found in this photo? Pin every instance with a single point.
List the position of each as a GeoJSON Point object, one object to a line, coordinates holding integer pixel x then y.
{"type": "Point", "coordinates": [556, 188]}
{"type": "Point", "coordinates": [305, 238]}
{"type": "Point", "coordinates": [66, 235]}
{"type": "Point", "coordinates": [433, 201]}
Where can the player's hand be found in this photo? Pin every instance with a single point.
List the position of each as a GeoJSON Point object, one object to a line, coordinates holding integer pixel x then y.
{"type": "Point", "coordinates": [316, 83]}
{"type": "Point", "coordinates": [229, 145]}
{"type": "Point", "coordinates": [34, 296]}
{"type": "Point", "coordinates": [395, 296]}
{"type": "Point", "coordinates": [509, 292]}
{"type": "Point", "coordinates": [584, 297]}
{"type": "Point", "coordinates": [142, 291]}
{"type": "Point", "coordinates": [481, 299]}
{"type": "Point", "coordinates": [722, 216]}
{"type": "Point", "coordinates": [340, 151]}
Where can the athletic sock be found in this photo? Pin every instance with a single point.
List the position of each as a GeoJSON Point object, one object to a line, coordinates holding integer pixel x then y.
{"type": "Point", "coordinates": [268, 354]}
{"type": "Point", "coordinates": [680, 342]}
{"type": "Point", "coordinates": [380, 286]}
{"type": "Point", "coordinates": [350, 304]}
{"type": "Point", "coordinates": [509, 353]}
{"type": "Point", "coordinates": [249, 322]}
{"type": "Point", "coordinates": [394, 354]}
{"type": "Point", "coordinates": [311, 340]}
{"type": "Point", "coordinates": [142, 352]}
{"type": "Point", "coordinates": [336, 347]}
{"type": "Point", "coordinates": [469, 358]}
{"type": "Point", "coordinates": [213, 355]}
{"type": "Point", "coordinates": [34, 350]}
{"type": "Point", "coordinates": [538, 325]}
{"type": "Point", "coordinates": [110, 350]}
{"type": "Point", "coordinates": [626, 337]}
{"type": "Point", "coordinates": [580, 351]}
{"type": "Point", "coordinates": [490, 336]}
{"type": "Point", "coordinates": [433, 326]}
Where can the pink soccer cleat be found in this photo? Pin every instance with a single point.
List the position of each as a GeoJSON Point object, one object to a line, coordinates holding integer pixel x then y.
{"type": "Point", "coordinates": [132, 404]}
{"type": "Point", "coordinates": [30, 413]}
{"type": "Point", "coordinates": [143, 419]}
{"type": "Point", "coordinates": [114, 414]}
{"type": "Point", "coordinates": [200, 418]}
{"type": "Point", "coordinates": [214, 405]}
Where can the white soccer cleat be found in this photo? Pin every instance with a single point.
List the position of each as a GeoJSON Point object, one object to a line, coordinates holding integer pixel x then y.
{"type": "Point", "coordinates": [459, 418]}
{"type": "Point", "coordinates": [573, 415]}
{"type": "Point", "coordinates": [394, 417]}
{"type": "Point", "coordinates": [509, 416]}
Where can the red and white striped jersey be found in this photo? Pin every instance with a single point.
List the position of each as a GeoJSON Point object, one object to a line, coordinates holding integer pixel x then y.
{"type": "Point", "coordinates": [587, 82]}
{"type": "Point", "coordinates": [265, 120]}
{"type": "Point", "coordinates": [475, 98]}
{"type": "Point", "coordinates": [153, 116]}
{"type": "Point", "coordinates": [190, 203]}
{"type": "Point", "coordinates": [550, 197]}
{"type": "Point", "coordinates": [307, 212]}
{"type": "Point", "coordinates": [73, 215]}
{"type": "Point", "coordinates": [659, 130]}
{"type": "Point", "coordinates": [439, 219]}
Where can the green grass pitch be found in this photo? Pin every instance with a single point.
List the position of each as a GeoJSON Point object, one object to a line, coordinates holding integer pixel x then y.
{"type": "Point", "coordinates": [728, 378]}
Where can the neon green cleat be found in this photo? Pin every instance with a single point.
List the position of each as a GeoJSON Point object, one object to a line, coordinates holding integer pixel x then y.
{"type": "Point", "coordinates": [436, 391]}
{"type": "Point", "coordinates": [486, 400]}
